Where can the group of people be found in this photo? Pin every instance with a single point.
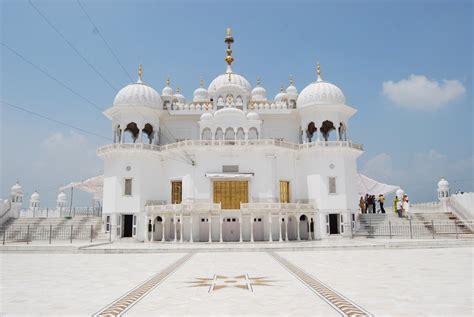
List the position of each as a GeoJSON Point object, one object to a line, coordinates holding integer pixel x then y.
{"type": "Point", "coordinates": [401, 205]}
{"type": "Point", "coordinates": [368, 204]}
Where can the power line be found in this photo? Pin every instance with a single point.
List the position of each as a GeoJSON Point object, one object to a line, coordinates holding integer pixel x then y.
{"type": "Point", "coordinates": [105, 42]}
{"type": "Point", "coordinates": [53, 120]}
{"type": "Point", "coordinates": [51, 76]}
{"type": "Point", "coordinates": [71, 45]}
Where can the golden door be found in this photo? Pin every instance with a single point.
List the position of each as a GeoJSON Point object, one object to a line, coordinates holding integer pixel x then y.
{"type": "Point", "coordinates": [284, 191]}
{"type": "Point", "coordinates": [230, 193]}
{"type": "Point", "coordinates": [176, 192]}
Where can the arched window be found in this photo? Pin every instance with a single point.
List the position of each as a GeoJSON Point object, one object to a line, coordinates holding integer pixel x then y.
{"type": "Point", "coordinates": [219, 134]}
{"type": "Point", "coordinates": [312, 132]}
{"type": "Point", "coordinates": [220, 102]}
{"type": "Point", "coordinates": [132, 135]}
{"type": "Point", "coordinates": [206, 134]}
{"type": "Point", "coordinates": [148, 131]}
{"type": "Point", "coordinates": [240, 134]}
{"type": "Point", "coordinates": [253, 134]}
{"type": "Point", "coordinates": [229, 134]}
{"type": "Point", "coordinates": [326, 129]}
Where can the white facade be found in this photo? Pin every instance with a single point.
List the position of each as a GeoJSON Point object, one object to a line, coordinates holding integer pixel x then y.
{"type": "Point", "coordinates": [291, 155]}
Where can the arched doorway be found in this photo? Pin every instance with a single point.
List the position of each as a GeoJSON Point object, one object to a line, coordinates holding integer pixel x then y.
{"type": "Point", "coordinates": [304, 233]}
{"type": "Point", "coordinates": [292, 223]}
{"type": "Point", "coordinates": [158, 226]}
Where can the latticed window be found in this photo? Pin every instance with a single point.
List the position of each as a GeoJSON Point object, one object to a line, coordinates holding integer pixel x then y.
{"type": "Point", "coordinates": [332, 185]}
{"type": "Point", "coordinates": [176, 192]}
{"type": "Point", "coordinates": [128, 187]}
{"type": "Point", "coordinates": [284, 192]}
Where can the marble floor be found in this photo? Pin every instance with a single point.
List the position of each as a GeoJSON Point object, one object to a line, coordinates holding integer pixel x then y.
{"type": "Point", "coordinates": [385, 282]}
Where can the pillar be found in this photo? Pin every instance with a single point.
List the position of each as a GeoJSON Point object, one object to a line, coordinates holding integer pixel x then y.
{"type": "Point", "coordinates": [181, 227]}
{"type": "Point", "coordinates": [286, 227]}
{"type": "Point", "coordinates": [240, 227]}
{"type": "Point", "coordinates": [175, 222]}
{"type": "Point", "coordinates": [298, 229]}
{"type": "Point", "coordinates": [220, 229]}
{"type": "Point", "coordinates": [191, 228]}
{"type": "Point", "coordinates": [210, 227]}
{"type": "Point", "coordinates": [147, 234]}
{"type": "Point", "coordinates": [279, 228]}
{"type": "Point", "coordinates": [163, 229]}
{"type": "Point", "coordinates": [309, 228]}
{"type": "Point", "coordinates": [270, 238]}
{"type": "Point", "coordinates": [251, 228]}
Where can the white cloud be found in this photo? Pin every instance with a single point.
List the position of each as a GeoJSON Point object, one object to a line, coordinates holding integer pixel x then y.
{"type": "Point", "coordinates": [379, 167]}
{"type": "Point", "coordinates": [422, 93]}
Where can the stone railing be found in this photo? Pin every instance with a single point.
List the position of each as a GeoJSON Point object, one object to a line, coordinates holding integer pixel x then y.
{"type": "Point", "coordinates": [277, 206]}
{"type": "Point", "coordinates": [183, 207]}
{"type": "Point", "coordinates": [224, 143]}
{"type": "Point", "coordinates": [435, 206]}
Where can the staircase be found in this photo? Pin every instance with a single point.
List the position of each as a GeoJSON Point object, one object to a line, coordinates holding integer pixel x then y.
{"type": "Point", "coordinates": [17, 229]}
{"type": "Point", "coordinates": [424, 224]}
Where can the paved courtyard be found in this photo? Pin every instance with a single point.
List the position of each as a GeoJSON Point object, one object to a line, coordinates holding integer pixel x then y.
{"type": "Point", "coordinates": [390, 282]}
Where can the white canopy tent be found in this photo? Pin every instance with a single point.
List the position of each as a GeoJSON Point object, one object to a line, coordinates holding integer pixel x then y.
{"type": "Point", "coordinates": [93, 185]}
{"type": "Point", "coordinates": [369, 186]}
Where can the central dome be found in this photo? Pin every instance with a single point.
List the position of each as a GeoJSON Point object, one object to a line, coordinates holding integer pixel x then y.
{"type": "Point", "coordinates": [229, 79]}
{"type": "Point", "coordinates": [229, 112]}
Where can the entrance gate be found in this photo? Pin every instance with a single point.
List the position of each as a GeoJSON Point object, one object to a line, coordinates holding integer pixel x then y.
{"type": "Point", "coordinates": [230, 193]}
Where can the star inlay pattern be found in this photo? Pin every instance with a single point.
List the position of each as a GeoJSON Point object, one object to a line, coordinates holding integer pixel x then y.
{"type": "Point", "coordinates": [218, 282]}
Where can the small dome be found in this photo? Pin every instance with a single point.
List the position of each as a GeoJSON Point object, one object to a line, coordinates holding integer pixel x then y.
{"type": "Point", "coordinates": [62, 196]}
{"type": "Point", "coordinates": [167, 91]}
{"type": "Point", "coordinates": [320, 92]}
{"type": "Point", "coordinates": [138, 94]}
{"type": "Point", "coordinates": [443, 184]}
{"type": "Point", "coordinates": [35, 196]}
{"type": "Point", "coordinates": [281, 96]}
{"type": "Point", "coordinates": [178, 97]}
{"type": "Point", "coordinates": [259, 93]}
{"type": "Point", "coordinates": [229, 112]}
{"type": "Point", "coordinates": [17, 189]}
{"type": "Point", "coordinates": [291, 90]}
{"type": "Point", "coordinates": [253, 116]}
{"type": "Point", "coordinates": [206, 116]}
{"type": "Point", "coordinates": [201, 94]}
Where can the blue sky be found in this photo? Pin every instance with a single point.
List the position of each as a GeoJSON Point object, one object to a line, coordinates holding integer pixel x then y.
{"type": "Point", "coordinates": [415, 128]}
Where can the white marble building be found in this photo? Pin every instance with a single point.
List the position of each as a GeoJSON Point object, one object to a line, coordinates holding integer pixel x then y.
{"type": "Point", "coordinates": [230, 165]}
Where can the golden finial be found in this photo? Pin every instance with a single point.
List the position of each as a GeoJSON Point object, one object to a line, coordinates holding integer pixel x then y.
{"type": "Point", "coordinates": [291, 80]}
{"type": "Point", "coordinates": [281, 88]}
{"type": "Point", "coordinates": [168, 82]}
{"type": "Point", "coordinates": [140, 72]}
{"type": "Point", "coordinates": [201, 83]}
{"type": "Point", "coordinates": [318, 68]}
{"type": "Point", "coordinates": [258, 80]}
{"type": "Point", "coordinates": [229, 40]}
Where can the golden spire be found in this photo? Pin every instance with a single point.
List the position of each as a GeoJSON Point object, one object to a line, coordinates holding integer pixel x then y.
{"type": "Point", "coordinates": [291, 80]}
{"type": "Point", "coordinates": [168, 82]}
{"type": "Point", "coordinates": [201, 83]}
{"type": "Point", "coordinates": [258, 80]}
{"type": "Point", "coordinates": [281, 88]}
{"type": "Point", "coordinates": [318, 70]}
{"type": "Point", "coordinates": [229, 40]}
{"type": "Point", "coordinates": [140, 72]}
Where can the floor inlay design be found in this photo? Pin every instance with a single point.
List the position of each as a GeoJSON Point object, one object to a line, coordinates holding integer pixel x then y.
{"type": "Point", "coordinates": [218, 282]}
{"type": "Point", "coordinates": [340, 303]}
{"type": "Point", "coordinates": [125, 302]}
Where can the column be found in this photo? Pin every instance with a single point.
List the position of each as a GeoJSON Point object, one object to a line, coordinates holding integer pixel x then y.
{"type": "Point", "coordinates": [121, 135]}
{"type": "Point", "coordinates": [279, 228]}
{"type": "Point", "coordinates": [298, 228]}
{"type": "Point", "coordinates": [147, 234]}
{"type": "Point", "coordinates": [270, 238]}
{"type": "Point", "coordinates": [220, 229]}
{"type": "Point", "coordinates": [286, 227]}
{"type": "Point", "coordinates": [191, 228]}
{"type": "Point", "coordinates": [240, 227]}
{"type": "Point", "coordinates": [338, 135]}
{"type": "Point", "coordinates": [309, 228]}
{"type": "Point", "coordinates": [175, 222]}
{"type": "Point", "coordinates": [163, 229]}
{"type": "Point", "coordinates": [251, 228]}
{"type": "Point", "coordinates": [181, 228]}
{"type": "Point", "coordinates": [210, 227]}
{"type": "Point", "coordinates": [153, 229]}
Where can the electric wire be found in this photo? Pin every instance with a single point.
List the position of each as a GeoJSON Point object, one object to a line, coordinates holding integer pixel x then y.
{"type": "Point", "coordinates": [71, 45]}
{"type": "Point", "coordinates": [51, 76]}
{"type": "Point", "coordinates": [96, 28]}
{"type": "Point", "coordinates": [53, 120]}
